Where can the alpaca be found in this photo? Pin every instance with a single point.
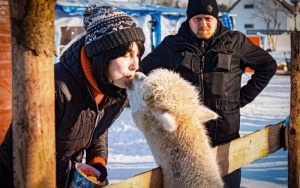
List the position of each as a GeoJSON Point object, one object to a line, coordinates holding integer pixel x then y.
{"type": "Point", "coordinates": [166, 109]}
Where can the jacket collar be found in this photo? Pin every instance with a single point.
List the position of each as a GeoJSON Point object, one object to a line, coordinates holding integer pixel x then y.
{"type": "Point", "coordinates": [70, 59]}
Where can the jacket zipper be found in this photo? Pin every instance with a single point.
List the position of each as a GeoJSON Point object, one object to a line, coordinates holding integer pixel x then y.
{"type": "Point", "coordinates": [201, 72]}
{"type": "Point", "coordinates": [96, 122]}
{"type": "Point", "coordinates": [97, 118]}
{"type": "Point", "coordinates": [202, 56]}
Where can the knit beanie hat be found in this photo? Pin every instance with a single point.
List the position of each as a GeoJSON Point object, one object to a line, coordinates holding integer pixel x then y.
{"type": "Point", "coordinates": [209, 7]}
{"type": "Point", "coordinates": [107, 27]}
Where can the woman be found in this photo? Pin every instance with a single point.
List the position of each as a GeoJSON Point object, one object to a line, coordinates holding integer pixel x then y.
{"type": "Point", "coordinates": [90, 83]}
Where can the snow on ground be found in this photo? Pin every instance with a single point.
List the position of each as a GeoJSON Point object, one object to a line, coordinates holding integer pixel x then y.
{"type": "Point", "coordinates": [270, 107]}
{"type": "Point", "coordinates": [129, 153]}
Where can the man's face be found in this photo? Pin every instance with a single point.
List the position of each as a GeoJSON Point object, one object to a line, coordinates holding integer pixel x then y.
{"type": "Point", "coordinates": [203, 25]}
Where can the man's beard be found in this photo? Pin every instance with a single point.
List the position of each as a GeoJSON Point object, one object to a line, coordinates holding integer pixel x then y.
{"type": "Point", "coordinates": [204, 33]}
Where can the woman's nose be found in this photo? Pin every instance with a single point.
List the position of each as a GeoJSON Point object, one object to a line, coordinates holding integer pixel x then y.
{"type": "Point", "coordinates": [135, 64]}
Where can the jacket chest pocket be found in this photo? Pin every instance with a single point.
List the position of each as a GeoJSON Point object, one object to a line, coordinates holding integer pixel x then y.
{"type": "Point", "coordinates": [222, 62]}
{"type": "Point", "coordinates": [219, 77]}
{"type": "Point", "coordinates": [188, 65]}
{"type": "Point", "coordinates": [191, 61]}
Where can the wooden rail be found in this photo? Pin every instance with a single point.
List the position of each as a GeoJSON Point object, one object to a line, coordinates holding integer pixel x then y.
{"type": "Point", "coordinates": [231, 156]}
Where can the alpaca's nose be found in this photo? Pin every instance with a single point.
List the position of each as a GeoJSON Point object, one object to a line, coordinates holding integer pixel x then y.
{"type": "Point", "coordinates": [139, 76]}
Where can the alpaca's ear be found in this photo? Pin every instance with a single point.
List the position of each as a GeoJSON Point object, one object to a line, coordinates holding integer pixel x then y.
{"type": "Point", "coordinates": [206, 114]}
{"type": "Point", "coordinates": [166, 120]}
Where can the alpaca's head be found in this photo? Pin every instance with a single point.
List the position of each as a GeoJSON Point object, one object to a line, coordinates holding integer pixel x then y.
{"type": "Point", "coordinates": [165, 94]}
{"type": "Point", "coordinates": [162, 89]}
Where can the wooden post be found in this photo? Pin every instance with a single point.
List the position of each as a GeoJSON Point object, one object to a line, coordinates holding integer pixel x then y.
{"type": "Point", "coordinates": [294, 127]}
{"type": "Point", "coordinates": [32, 26]}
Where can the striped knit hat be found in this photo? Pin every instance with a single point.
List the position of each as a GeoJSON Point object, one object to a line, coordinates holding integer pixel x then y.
{"type": "Point", "coordinates": [107, 28]}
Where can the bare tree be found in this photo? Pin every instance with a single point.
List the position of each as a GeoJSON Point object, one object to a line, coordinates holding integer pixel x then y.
{"type": "Point", "coordinates": [231, 3]}
{"type": "Point", "coordinates": [32, 36]}
{"type": "Point", "coordinates": [224, 6]}
{"type": "Point", "coordinates": [268, 11]}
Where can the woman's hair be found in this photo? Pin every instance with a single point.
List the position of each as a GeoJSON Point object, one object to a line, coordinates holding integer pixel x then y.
{"type": "Point", "coordinates": [123, 49]}
{"type": "Point", "coordinates": [100, 62]}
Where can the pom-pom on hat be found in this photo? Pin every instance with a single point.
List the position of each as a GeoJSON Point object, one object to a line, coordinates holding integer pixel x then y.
{"type": "Point", "coordinates": [209, 7]}
{"type": "Point", "coordinates": [107, 28]}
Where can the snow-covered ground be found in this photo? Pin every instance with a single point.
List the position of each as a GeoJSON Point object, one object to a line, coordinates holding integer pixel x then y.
{"type": "Point", "coordinates": [129, 153]}
{"type": "Point", "coordinates": [270, 107]}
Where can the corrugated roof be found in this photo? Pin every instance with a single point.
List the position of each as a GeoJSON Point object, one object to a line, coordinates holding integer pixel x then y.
{"type": "Point", "coordinates": [73, 7]}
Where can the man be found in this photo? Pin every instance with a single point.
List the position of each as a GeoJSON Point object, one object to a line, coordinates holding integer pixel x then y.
{"type": "Point", "coordinates": [214, 58]}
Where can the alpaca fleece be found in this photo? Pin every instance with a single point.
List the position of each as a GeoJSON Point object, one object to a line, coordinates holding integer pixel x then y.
{"type": "Point", "coordinates": [167, 110]}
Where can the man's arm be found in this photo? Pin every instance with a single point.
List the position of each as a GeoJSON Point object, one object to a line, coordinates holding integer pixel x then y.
{"type": "Point", "coordinates": [264, 67]}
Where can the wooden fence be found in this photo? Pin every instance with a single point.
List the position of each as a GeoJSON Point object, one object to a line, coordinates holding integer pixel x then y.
{"type": "Point", "coordinates": [231, 156]}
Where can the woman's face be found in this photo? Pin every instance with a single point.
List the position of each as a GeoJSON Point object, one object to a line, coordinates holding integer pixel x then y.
{"type": "Point", "coordinates": [124, 67]}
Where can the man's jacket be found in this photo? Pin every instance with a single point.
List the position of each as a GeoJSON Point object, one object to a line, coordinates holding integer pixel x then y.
{"type": "Point", "coordinates": [216, 66]}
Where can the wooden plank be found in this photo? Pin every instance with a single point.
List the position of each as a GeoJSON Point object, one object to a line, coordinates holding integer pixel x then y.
{"type": "Point", "coordinates": [152, 178]}
{"type": "Point", "coordinates": [231, 156]}
{"type": "Point", "coordinates": [242, 151]}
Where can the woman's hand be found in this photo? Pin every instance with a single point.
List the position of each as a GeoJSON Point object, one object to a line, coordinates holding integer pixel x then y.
{"type": "Point", "coordinates": [103, 171]}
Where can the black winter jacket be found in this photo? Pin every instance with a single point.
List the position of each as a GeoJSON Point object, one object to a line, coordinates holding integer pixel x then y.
{"type": "Point", "coordinates": [81, 124]}
{"type": "Point", "coordinates": [216, 66]}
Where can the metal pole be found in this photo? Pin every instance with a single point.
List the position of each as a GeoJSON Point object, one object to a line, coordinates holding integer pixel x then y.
{"type": "Point", "coordinates": [151, 25]}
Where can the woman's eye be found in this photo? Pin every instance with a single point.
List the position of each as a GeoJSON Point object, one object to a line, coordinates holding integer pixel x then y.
{"type": "Point", "coordinates": [127, 55]}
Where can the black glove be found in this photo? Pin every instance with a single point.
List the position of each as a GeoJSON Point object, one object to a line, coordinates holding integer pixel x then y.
{"type": "Point", "coordinates": [103, 171]}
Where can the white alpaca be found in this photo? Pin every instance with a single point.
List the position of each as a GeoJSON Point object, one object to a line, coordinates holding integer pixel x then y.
{"type": "Point", "coordinates": [167, 110]}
